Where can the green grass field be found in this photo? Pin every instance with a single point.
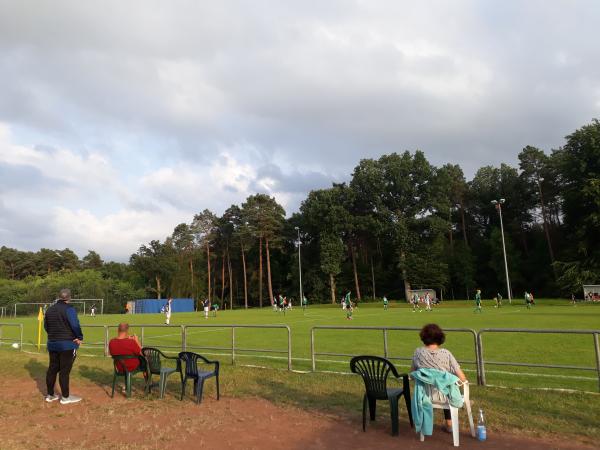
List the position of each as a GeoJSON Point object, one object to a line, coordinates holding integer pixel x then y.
{"type": "Point", "coordinates": [526, 348]}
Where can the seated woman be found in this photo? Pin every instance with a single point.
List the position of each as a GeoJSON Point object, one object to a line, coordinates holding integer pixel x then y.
{"type": "Point", "coordinates": [432, 356]}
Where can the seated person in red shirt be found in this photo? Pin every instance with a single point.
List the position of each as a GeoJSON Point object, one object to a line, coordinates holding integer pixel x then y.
{"type": "Point", "coordinates": [124, 344]}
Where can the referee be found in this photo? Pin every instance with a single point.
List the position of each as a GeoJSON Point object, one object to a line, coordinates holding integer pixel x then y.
{"type": "Point", "coordinates": [64, 336]}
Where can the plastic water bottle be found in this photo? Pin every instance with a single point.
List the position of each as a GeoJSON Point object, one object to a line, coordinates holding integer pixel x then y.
{"type": "Point", "coordinates": [481, 433]}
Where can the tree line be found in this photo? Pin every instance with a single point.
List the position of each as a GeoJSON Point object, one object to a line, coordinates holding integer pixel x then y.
{"type": "Point", "coordinates": [399, 223]}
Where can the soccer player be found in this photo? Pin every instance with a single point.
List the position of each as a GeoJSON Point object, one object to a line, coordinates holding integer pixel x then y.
{"type": "Point", "coordinates": [348, 306]}
{"type": "Point", "coordinates": [427, 302]}
{"type": "Point", "coordinates": [478, 301]}
{"type": "Point", "coordinates": [215, 309]}
{"type": "Point", "coordinates": [304, 302]}
{"type": "Point", "coordinates": [498, 300]}
{"type": "Point", "coordinates": [206, 307]}
{"type": "Point", "coordinates": [415, 303]}
{"type": "Point", "coordinates": [168, 311]}
{"type": "Point", "coordinates": [527, 300]}
{"type": "Point", "coordinates": [93, 311]}
{"type": "Point", "coordinates": [64, 337]}
{"type": "Point", "coordinates": [385, 302]}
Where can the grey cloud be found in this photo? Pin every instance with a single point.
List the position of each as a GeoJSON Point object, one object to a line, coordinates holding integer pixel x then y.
{"type": "Point", "coordinates": [298, 91]}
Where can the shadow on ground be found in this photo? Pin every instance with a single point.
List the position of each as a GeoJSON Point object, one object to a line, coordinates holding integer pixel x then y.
{"type": "Point", "coordinates": [37, 371]}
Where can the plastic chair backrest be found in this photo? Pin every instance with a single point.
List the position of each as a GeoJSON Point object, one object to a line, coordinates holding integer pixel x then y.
{"type": "Point", "coordinates": [153, 358]}
{"type": "Point", "coordinates": [191, 362]}
{"type": "Point", "coordinates": [374, 371]}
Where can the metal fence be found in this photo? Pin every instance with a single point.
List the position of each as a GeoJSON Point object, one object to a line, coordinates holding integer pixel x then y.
{"type": "Point", "coordinates": [385, 330]}
{"type": "Point", "coordinates": [233, 347]}
{"type": "Point", "coordinates": [11, 325]}
{"type": "Point", "coordinates": [482, 363]}
{"type": "Point", "coordinates": [183, 332]}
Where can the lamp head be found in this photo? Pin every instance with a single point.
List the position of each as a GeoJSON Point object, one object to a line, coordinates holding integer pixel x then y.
{"type": "Point", "coordinates": [502, 200]}
{"type": "Point", "coordinates": [494, 202]}
{"type": "Point", "coordinates": [297, 228]}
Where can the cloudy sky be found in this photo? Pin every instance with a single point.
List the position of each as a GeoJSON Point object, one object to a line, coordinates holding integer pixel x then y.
{"type": "Point", "coordinates": [119, 120]}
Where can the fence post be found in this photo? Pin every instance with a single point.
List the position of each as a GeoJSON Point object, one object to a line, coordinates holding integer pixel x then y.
{"type": "Point", "coordinates": [183, 338]}
{"type": "Point", "coordinates": [289, 347]}
{"type": "Point", "coordinates": [481, 360]}
{"type": "Point", "coordinates": [312, 348]}
{"type": "Point", "coordinates": [477, 357]}
{"type": "Point", "coordinates": [142, 334]}
{"type": "Point", "coordinates": [105, 340]}
{"type": "Point", "coordinates": [597, 348]}
{"type": "Point", "coordinates": [1, 328]}
{"type": "Point", "coordinates": [385, 343]}
{"type": "Point", "coordinates": [232, 345]}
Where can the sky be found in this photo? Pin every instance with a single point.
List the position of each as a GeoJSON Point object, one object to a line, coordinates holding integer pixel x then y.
{"type": "Point", "coordinates": [119, 120]}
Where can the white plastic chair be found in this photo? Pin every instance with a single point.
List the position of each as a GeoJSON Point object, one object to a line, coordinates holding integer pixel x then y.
{"type": "Point", "coordinates": [454, 411]}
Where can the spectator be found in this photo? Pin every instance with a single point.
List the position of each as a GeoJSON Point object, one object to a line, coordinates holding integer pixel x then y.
{"type": "Point", "coordinates": [64, 337]}
{"type": "Point", "coordinates": [124, 345]}
{"type": "Point", "coordinates": [432, 356]}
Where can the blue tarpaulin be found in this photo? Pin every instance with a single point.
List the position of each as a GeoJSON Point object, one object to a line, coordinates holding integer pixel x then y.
{"type": "Point", "coordinates": [153, 305]}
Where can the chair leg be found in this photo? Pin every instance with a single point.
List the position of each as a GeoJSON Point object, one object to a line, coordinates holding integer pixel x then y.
{"type": "Point", "coordinates": [128, 384]}
{"type": "Point", "coordinates": [113, 386]}
{"type": "Point", "coordinates": [183, 381]}
{"type": "Point", "coordinates": [199, 389]}
{"type": "Point", "coordinates": [470, 415]}
{"type": "Point", "coordinates": [394, 414]}
{"type": "Point", "coordinates": [365, 412]}
{"type": "Point", "coordinates": [409, 408]}
{"type": "Point", "coordinates": [454, 416]}
{"type": "Point", "coordinates": [372, 408]}
{"type": "Point", "coordinates": [161, 385]}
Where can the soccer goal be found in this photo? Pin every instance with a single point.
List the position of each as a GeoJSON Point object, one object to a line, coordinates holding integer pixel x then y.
{"type": "Point", "coordinates": [82, 305]}
{"type": "Point", "coordinates": [591, 292]}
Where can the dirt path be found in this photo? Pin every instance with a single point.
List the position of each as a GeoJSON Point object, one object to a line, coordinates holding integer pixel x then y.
{"type": "Point", "coordinates": [101, 422]}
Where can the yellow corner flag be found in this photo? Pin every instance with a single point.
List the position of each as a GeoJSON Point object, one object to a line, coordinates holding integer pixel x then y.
{"type": "Point", "coordinates": [40, 320]}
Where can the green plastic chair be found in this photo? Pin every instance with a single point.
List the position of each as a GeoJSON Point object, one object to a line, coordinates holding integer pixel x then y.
{"type": "Point", "coordinates": [120, 370]}
{"type": "Point", "coordinates": [156, 361]}
{"type": "Point", "coordinates": [374, 371]}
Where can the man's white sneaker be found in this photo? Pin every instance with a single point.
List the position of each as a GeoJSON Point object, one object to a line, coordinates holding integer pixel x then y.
{"type": "Point", "coordinates": [69, 399]}
{"type": "Point", "coordinates": [52, 398]}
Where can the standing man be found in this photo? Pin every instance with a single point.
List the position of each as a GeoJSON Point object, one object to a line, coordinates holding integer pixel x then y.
{"type": "Point", "coordinates": [64, 337]}
{"type": "Point", "coordinates": [478, 301]}
{"type": "Point", "coordinates": [168, 311]}
{"type": "Point", "coordinates": [304, 302]}
{"type": "Point", "coordinates": [206, 306]}
{"type": "Point", "coordinates": [498, 300]}
{"type": "Point", "coordinates": [427, 302]}
{"type": "Point", "coordinates": [527, 300]}
{"type": "Point", "coordinates": [385, 302]}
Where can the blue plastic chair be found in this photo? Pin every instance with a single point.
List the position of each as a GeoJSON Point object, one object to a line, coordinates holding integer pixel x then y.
{"type": "Point", "coordinates": [192, 371]}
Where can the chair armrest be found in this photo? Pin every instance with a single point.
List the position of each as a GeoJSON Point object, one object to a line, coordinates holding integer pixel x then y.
{"type": "Point", "coordinates": [465, 389]}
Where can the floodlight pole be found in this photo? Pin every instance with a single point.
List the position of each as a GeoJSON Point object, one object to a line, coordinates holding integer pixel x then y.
{"type": "Point", "coordinates": [301, 299]}
{"type": "Point", "coordinates": [498, 204]}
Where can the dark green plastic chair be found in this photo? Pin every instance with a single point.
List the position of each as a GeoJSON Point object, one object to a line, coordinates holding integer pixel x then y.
{"type": "Point", "coordinates": [120, 370]}
{"type": "Point", "coordinates": [374, 371]}
{"type": "Point", "coordinates": [156, 364]}
{"type": "Point", "coordinates": [192, 371]}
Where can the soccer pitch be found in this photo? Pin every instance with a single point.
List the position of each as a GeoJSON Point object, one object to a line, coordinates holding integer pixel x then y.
{"type": "Point", "coordinates": [575, 350]}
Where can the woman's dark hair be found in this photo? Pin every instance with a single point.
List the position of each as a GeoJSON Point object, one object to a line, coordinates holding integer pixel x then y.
{"type": "Point", "coordinates": [432, 334]}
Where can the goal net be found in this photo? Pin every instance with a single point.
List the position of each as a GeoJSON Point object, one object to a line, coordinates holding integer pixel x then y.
{"type": "Point", "coordinates": [591, 292]}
